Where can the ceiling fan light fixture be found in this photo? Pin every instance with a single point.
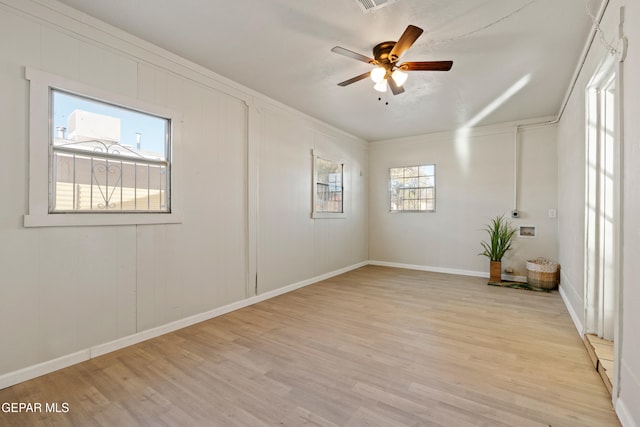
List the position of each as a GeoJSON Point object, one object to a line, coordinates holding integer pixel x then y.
{"type": "Point", "coordinates": [378, 74]}
{"type": "Point", "coordinates": [381, 86]}
{"type": "Point", "coordinates": [387, 74]}
{"type": "Point", "coordinates": [399, 77]}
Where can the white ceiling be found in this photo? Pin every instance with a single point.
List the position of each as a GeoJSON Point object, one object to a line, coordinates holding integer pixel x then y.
{"type": "Point", "coordinates": [513, 59]}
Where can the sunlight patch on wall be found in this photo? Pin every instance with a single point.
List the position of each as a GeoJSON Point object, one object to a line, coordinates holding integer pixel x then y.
{"type": "Point", "coordinates": [462, 134]}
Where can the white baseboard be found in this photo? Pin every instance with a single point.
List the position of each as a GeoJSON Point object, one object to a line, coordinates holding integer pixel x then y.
{"type": "Point", "coordinates": [625, 417]}
{"type": "Point", "coordinates": [471, 273]}
{"type": "Point", "coordinates": [30, 372]}
{"type": "Point", "coordinates": [626, 405]}
{"type": "Point", "coordinates": [574, 316]}
{"type": "Point", "coordinates": [432, 269]}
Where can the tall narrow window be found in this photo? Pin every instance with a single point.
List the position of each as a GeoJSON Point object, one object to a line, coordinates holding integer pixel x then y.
{"type": "Point", "coordinates": [328, 188]}
{"type": "Point", "coordinates": [602, 202]}
{"type": "Point", "coordinates": [412, 189]}
{"type": "Point", "coordinates": [106, 158]}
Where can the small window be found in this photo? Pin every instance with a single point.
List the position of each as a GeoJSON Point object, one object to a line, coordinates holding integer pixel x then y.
{"type": "Point", "coordinates": [106, 158]}
{"type": "Point", "coordinates": [412, 188]}
{"type": "Point", "coordinates": [99, 157]}
{"type": "Point", "coordinates": [328, 188]}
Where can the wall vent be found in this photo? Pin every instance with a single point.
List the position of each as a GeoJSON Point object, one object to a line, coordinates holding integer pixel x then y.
{"type": "Point", "coordinates": [371, 5]}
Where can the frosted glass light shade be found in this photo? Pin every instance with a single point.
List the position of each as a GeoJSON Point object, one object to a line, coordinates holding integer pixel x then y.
{"type": "Point", "coordinates": [399, 77]}
{"type": "Point", "coordinates": [377, 74]}
{"type": "Point", "coordinates": [381, 86]}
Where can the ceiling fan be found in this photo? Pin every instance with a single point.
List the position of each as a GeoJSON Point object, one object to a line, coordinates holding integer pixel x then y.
{"type": "Point", "coordinates": [385, 56]}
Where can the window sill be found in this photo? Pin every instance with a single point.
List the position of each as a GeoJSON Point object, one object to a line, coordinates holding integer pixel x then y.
{"type": "Point", "coordinates": [93, 219]}
{"type": "Point", "coordinates": [412, 211]}
{"type": "Point", "coordinates": [328, 215]}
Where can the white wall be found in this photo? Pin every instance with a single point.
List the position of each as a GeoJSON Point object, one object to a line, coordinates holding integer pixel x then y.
{"type": "Point", "coordinates": [630, 354]}
{"type": "Point", "coordinates": [571, 199]}
{"type": "Point", "coordinates": [285, 226]}
{"type": "Point", "coordinates": [67, 289]}
{"type": "Point", "coordinates": [474, 183]}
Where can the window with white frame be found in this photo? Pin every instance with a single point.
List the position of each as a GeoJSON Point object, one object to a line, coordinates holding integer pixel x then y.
{"type": "Point", "coordinates": [328, 187]}
{"type": "Point", "coordinates": [412, 188]}
{"type": "Point", "coordinates": [98, 158]}
{"type": "Point", "coordinates": [106, 158]}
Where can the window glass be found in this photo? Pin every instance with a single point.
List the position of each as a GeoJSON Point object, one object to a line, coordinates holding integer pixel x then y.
{"type": "Point", "coordinates": [412, 188]}
{"type": "Point", "coordinates": [329, 176]}
{"type": "Point", "coordinates": [106, 158]}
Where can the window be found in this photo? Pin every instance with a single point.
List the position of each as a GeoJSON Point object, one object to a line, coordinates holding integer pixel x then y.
{"type": "Point", "coordinates": [412, 188]}
{"type": "Point", "coordinates": [328, 188]}
{"type": "Point", "coordinates": [603, 205]}
{"type": "Point", "coordinates": [106, 158]}
{"type": "Point", "coordinates": [98, 158]}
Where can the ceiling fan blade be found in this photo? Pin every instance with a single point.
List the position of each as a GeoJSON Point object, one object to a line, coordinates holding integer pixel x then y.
{"type": "Point", "coordinates": [426, 66]}
{"type": "Point", "coordinates": [351, 54]}
{"type": "Point", "coordinates": [354, 79]}
{"type": "Point", "coordinates": [395, 89]}
{"type": "Point", "coordinates": [405, 41]}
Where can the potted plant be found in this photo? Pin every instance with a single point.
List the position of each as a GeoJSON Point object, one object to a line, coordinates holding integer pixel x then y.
{"type": "Point", "coordinates": [500, 235]}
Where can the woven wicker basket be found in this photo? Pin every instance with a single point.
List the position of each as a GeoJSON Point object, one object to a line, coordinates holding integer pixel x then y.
{"type": "Point", "coordinates": [542, 273]}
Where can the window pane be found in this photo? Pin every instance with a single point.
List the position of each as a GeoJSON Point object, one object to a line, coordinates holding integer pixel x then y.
{"type": "Point", "coordinates": [427, 170]}
{"type": "Point", "coordinates": [411, 188]}
{"type": "Point", "coordinates": [411, 171]}
{"type": "Point", "coordinates": [107, 158]}
{"type": "Point", "coordinates": [329, 175]}
{"type": "Point", "coordinates": [430, 193]}
{"type": "Point", "coordinates": [90, 125]}
{"type": "Point", "coordinates": [396, 173]}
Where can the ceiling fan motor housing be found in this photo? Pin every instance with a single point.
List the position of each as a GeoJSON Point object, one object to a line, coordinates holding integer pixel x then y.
{"type": "Point", "coordinates": [381, 53]}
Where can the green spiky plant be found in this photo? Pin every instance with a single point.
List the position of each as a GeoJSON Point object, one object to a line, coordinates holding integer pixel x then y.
{"type": "Point", "coordinates": [500, 235]}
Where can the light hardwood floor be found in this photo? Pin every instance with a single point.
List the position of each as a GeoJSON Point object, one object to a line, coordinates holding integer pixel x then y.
{"type": "Point", "coordinates": [377, 346]}
{"type": "Point", "coordinates": [600, 351]}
